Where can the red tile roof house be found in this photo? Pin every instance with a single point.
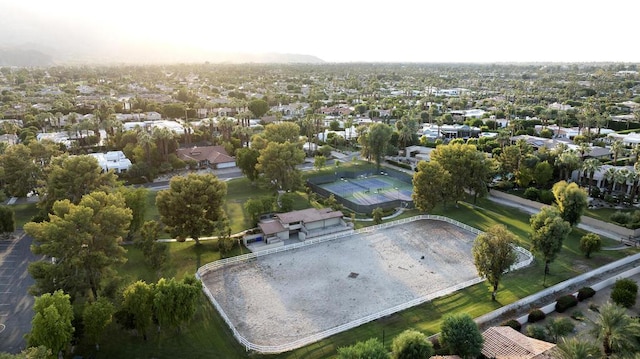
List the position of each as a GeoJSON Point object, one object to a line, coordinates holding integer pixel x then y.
{"type": "Point", "coordinates": [215, 157]}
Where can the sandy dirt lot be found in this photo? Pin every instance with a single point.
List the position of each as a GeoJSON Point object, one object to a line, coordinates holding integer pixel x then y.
{"type": "Point", "coordinates": [280, 298]}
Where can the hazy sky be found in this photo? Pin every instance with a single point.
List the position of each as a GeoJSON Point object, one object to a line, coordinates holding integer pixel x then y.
{"type": "Point", "coordinates": [342, 30]}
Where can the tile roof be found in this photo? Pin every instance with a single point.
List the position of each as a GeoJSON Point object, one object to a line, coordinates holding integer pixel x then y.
{"type": "Point", "coordinates": [308, 215]}
{"type": "Point", "coordinates": [507, 343]}
{"type": "Point", "coordinates": [213, 154]}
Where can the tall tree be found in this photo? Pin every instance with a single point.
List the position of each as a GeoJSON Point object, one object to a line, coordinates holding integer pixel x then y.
{"type": "Point", "coordinates": [460, 334]}
{"type": "Point", "coordinates": [470, 169]}
{"type": "Point", "coordinates": [247, 159]}
{"type": "Point", "coordinates": [7, 221]}
{"type": "Point", "coordinates": [96, 316]}
{"type": "Point", "coordinates": [51, 325]}
{"type": "Point", "coordinates": [493, 254]}
{"type": "Point", "coordinates": [378, 138]}
{"type": "Point", "coordinates": [278, 161]}
{"type": "Point", "coordinates": [549, 230]}
{"type": "Point", "coordinates": [73, 177]}
{"type": "Point", "coordinates": [136, 200]}
{"type": "Point", "coordinates": [590, 166]}
{"type": "Point", "coordinates": [258, 107]}
{"type": "Point", "coordinates": [21, 174]}
{"type": "Point", "coordinates": [282, 132]}
{"type": "Point", "coordinates": [571, 201]}
{"type": "Point", "coordinates": [175, 302]}
{"type": "Point", "coordinates": [138, 302]}
{"type": "Point", "coordinates": [431, 186]}
{"type": "Point", "coordinates": [192, 205]}
{"type": "Point", "coordinates": [617, 147]}
{"type": "Point", "coordinates": [85, 241]}
{"type": "Point", "coordinates": [617, 331]}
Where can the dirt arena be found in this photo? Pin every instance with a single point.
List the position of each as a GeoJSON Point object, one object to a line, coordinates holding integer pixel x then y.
{"type": "Point", "coordinates": [283, 297]}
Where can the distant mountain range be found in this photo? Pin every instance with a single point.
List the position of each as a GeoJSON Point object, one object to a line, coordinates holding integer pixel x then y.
{"type": "Point", "coordinates": [33, 55]}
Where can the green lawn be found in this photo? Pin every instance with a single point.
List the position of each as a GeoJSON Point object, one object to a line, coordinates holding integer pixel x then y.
{"type": "Point", "coordinates": [475, 300]}
{"type": "Point", "coordinates": [24, 212]}
{"type": "Point", "coordinates": [604, 214]}
{"type": "Point", "coordinates": [207, 336]}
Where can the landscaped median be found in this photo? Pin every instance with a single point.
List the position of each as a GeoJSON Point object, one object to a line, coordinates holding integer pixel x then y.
{"type": "Point", "coordinates": [335, 286]}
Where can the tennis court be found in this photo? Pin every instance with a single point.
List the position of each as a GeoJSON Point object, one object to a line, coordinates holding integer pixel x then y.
{"type": "Point", "coordinates": [370, 189]}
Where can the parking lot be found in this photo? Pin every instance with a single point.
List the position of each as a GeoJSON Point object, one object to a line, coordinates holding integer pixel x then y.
{"type": "Point", "coordinates": [16, 305]}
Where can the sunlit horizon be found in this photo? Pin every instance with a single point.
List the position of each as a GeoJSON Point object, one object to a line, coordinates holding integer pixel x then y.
{"type": "Point", "coordinates": [335, 31]}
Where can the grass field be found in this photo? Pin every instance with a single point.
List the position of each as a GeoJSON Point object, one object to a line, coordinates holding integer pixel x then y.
{"type": "Point", "coordinates": [208, 337]}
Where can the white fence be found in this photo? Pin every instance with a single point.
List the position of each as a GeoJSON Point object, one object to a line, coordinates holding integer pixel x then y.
{"type": "Point", "coordinates": [272, 349]}
{"type": "Point", "coordinates": [557, 289]}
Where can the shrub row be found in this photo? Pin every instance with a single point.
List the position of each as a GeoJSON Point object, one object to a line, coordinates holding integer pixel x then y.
{"type": "Point", "coordinates": [585, 293]}
{"type": "Point", "coordinates": [565, 302]}
{"type": "Point", "coordinates": [535, 315]}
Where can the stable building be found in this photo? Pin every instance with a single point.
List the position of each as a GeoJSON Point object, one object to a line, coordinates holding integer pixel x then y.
{"type": "Point", "coordinates": [300, 225]}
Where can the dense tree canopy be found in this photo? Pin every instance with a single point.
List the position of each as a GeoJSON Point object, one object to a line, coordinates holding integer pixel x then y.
{"type": "Point", "coordinates": [51, 325]}
{"type": "Point", "coordinates": [84, 240]}
{"type": "Point", "coordinates": [20, 173]}
{"type": "Point", "coordinates": [470, 169]}
{"type": "Point", "coordinates": [460, 334]}
{"type": "Point", "coordinates": [192, 206]}
{"type": "Point", "coordinates": [431, 186]}
{"type": "Point", "coordinates": [73, 177]}
{"type": "Point", "coordinates": [278, 161]}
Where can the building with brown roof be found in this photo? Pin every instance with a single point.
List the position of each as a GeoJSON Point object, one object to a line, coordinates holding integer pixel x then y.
{"type": "Point", "coordinates": [508, 343]}
{"type": "Point", "coordinates": [305, 223]}
{"type": "Point", "coordinates": [207, 156]}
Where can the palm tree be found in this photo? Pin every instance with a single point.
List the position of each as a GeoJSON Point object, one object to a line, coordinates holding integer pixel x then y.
{"type": "Point", "coordinates": [590, 166]}
{"type": "Point", "coordinates": [609, 175]}
{"type": "Point", "coordinates": [164, 136]}
{"type": "Point", "coordinates": [616, 329]}
{"type": "Point", "coordinates": [621, 177]}
{"type": "Point", "coordinates": [225, 126]}
{"type": "Point", "coordinates": [635, 151]}
{"type": "Point", "coordinates": [616, 148]}
{"type": "Point", "coordinates": [145, 140]}
{"type": "Point", "coordinates": [568, 161]}
{"type": "Point", "coordinates": [576, 348]}
{"type": "Point", "coordinates": [635, 182]}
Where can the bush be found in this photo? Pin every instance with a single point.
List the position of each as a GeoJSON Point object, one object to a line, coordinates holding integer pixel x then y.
{"type": "Point", "coordinates": [537, 332]}
{"type": "Point", "coordinates": [565, 302]}
{"type": "Point", "coordinates": [585, 292]}
{"type": "Point", "coordinates": [504, 185]}
{"type": "Point", "coordinates": [535, 315]}
{"type": "Point", "coordinates": [577, 315]}
{"type": "Point", "coordinates": [547, 197]}
{"type": "Point", "coordinates": [624, 292]}
{"type": "Point", "coordinates": [532, 194]}
{"type": "Point", "coordinates": [513, 324]}
{"type": "Point", "coordinates": [620, 217]}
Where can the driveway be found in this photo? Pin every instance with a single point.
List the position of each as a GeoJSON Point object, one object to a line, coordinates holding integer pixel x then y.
{"type": "Point", "coordinates": [16, 304]}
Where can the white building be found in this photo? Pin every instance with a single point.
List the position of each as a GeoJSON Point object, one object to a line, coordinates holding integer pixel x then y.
{"type": "Point", "coordinates": [112, 160]}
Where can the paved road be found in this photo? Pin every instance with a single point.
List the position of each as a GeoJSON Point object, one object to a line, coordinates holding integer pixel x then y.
{"type": "Point", "coordinates": [16, 304]}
